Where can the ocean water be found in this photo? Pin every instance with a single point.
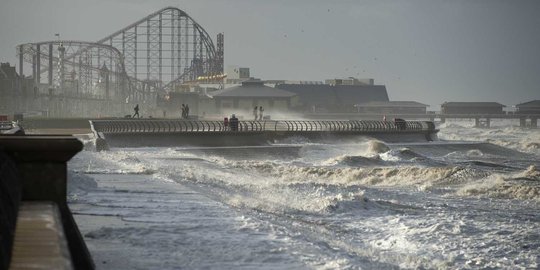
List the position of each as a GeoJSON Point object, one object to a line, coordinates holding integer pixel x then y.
{"type": "Point", "coordinates": [468, 201]}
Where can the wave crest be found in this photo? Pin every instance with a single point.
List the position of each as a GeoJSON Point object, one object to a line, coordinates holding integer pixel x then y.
{"type": "Point", "coordinates": [375, 146]}
{"type": "Point", "coordinates": [523, 185]}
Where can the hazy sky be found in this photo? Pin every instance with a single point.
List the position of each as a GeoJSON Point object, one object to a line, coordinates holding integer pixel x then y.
{"type": "Point", "coordinates": [429, 51]}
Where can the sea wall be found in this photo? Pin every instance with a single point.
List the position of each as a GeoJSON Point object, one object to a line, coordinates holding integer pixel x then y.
{"type": "Point", "coordinates": [139, 133]}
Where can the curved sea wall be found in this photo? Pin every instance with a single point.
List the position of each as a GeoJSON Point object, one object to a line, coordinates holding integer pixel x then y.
{"type": "Point", "coordinates": [151, 132]}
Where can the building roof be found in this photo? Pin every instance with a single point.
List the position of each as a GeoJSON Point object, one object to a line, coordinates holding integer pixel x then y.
{"type": "Point", "coordinates": [409, 104]}
{"type": "Point", "coordinates": [252, 89]}
{"type": "Point", "coordinates": [529, 104]}
{"type": "Point", "coordinates": [472, 104]}
{"type": "Point", "coordinates": [325, 94]}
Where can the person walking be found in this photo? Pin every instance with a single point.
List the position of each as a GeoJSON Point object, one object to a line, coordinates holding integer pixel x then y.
{"type": "Point", "coordinates": [183, 111]}
{"type": "Point", "coordinates": [187, 111]}
{"type": "Point", "coordinates": [255, 112]}
{"type": "Point", "coordinates": [136, 109]}
{"type": "Point", "coordinates": [261, 111]}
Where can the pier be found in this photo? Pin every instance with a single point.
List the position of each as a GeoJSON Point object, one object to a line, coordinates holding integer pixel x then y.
{"type": "Point", "coordinates": [481, 120]}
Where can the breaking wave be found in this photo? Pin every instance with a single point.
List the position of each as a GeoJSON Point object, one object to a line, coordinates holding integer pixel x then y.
{"type": "Point", "coordinates": [521, 139]}
{"type": "Point", "coordinates": [355, 161]}
{"type": "Point", "coordinates": [523, 185]}
{"type": "Point", "coordinates": [471, 178]}
{"type": "Point", "coordinates": [110, 162]}
{"type": "Point", "coordinates": [375, 146]}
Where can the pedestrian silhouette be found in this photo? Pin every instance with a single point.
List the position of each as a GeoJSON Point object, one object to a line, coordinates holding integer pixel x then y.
{"type": "Point", "coordinates": [233, 123]}
{"type": "Point", "coordinates": [255, 112]}
{"type": "Point", "coordinates": [136, 109]}
{"type": "Point", "coordinates": [261, 111]}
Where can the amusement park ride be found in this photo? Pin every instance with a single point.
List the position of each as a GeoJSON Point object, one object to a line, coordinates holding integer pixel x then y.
{"type": "Point", "coordinates": [139, 63]}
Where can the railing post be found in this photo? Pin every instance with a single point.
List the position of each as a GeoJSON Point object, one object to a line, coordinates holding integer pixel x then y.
{"type": "Point", "coordinates": [181, 126]}
{"type": "Point", "coordinates": [202, 125]}
{"type": "Point", "coordinates": [143, 125]}
{"type": "Point", "coordinates": [140, 126]}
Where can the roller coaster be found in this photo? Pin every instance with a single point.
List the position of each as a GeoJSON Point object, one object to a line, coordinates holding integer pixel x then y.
{"type": "Point", "coordinates": [149, 57]}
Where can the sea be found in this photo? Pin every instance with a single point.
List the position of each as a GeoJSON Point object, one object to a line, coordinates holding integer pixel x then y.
{"type": "Point", "coordinates": [470, 200]}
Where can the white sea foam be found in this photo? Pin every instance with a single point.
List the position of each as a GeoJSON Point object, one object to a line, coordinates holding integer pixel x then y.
{"type": "Point", "coordinates": [521, 139]}
{"type": "Point", "coordinates": [110, 162]}
{"type": "Point", "coordinates": [522, 185]}
{"type": "Point", "coordinates": [383, 176]}
{"type": "Point", "coordinates": [335, 206]}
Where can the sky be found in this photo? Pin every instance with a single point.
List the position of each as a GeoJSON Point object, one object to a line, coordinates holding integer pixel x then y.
{"type": "Point", "coordinates": [430, 51]}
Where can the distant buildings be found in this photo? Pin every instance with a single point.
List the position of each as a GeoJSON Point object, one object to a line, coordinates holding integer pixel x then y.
{"type": "Point", "coordinates": [472, 108]}
{"type": "Point", "coordinates": [531, 107]}
{"type": "Point", "coordinates": [334, 96]}
{"type": "Point", "coordinates": [13, 84]}
{"type": "Point", "coordinates": [350, 81]}
{"type": "Point", "coordinates": [236, 75]}
{"type": "Point", "coordinates": [16, 93]}
{"type": "Point", "coordinates": [9, 80]}
{"type": "Point", "coordinates": [250, 94]}
{"type": "Point", "coordinates": [337, 95]}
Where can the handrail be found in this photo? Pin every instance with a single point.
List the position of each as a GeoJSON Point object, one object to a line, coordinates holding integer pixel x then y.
{"type": "Point", "coordinates": [187, 126]}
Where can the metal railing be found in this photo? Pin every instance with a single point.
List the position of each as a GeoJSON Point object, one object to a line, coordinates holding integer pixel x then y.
{"type": "Point", "coordinates": [190, 126]}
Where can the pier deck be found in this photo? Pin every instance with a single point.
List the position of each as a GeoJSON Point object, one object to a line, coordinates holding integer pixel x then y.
{"type": "Point", "coordinates": [481, 120]}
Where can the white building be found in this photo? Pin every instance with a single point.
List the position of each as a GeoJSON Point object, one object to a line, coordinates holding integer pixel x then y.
{"type": "Point", "coordinates": [236, 75]}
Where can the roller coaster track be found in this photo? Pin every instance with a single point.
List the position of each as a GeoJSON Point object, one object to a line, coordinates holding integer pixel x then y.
{"type": "Point", "coordinates": [172, 40]}
{"type": "Point", "coordinates": [154, 54]}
